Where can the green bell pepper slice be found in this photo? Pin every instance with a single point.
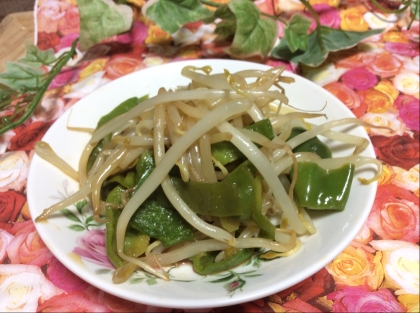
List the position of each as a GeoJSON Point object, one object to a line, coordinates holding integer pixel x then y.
{"type": "Point", "coordinates": [135, 242]}
{"type": "Point", "coordinates": [321, 189]}
{"type": "Point", "coordinates": [144, 167]}
{"type": "Point", "coordinates": [122, 108]}
{"type": "Point", "coordinates": [225, 152]}
{"type": "Point", "coordinates": [218, 199]}
{"type": "Point", "coordinates": [243, 178]}
{"type": "Point", "coordinates": [204, 264]}
{"type": "Point", "coordinates": [312, 145]}
{"type": "Point", "coordinates": [127, 181]}
{"type": "Point", "coordinates": [162, 223]}
{"type": "Point", "coordinates": [267, 230]}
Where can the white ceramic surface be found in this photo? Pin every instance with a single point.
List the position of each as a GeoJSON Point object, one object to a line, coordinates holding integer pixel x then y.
{"type": "Point", "coordinates": [46, 185]}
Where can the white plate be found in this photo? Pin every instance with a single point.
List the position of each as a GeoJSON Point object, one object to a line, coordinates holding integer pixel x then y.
{"type": "Point", "coordinates": [46, 185]}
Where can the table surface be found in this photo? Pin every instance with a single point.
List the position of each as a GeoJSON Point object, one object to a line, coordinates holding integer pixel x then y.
{"type": "Point", "coordinates": [378, 80]}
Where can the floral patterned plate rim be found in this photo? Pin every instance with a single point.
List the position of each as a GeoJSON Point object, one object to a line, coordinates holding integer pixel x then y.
{"type": "Point", "coordinates": [78, 242]}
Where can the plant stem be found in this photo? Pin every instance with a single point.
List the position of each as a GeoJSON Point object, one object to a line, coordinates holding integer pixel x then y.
{"type": "Point", "coordinates": [218, 5]}
{"type": "Point", "coordinates": [317, 21]}
{"type": "Point", "coordinates": [61, 62]}
{"type": "Point", "coordinates": [384, 10]}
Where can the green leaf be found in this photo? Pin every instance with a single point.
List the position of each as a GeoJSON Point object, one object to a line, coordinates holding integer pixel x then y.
{"type": "Point", "coordinates": [315, 54]}
{"type": "Point", "coordinates": [70, 215]}
{"type": "Point", "coordinates": [252, 275]}
{"type": "Point", "coordinates": [151, 281]}
{"type": "Point", "coordinates": [77, 227]}
{"type": "Point", "coordinates": [136, 280]}
{"type": "Point", "coordinates": [171, 15]}
{"type": "Point", "coordinates": [296, 34]}
{"type": "Point", "coordinates": [102, 271]}
{"type": "Point", "coordinates": [223, 279]}
{"type": "Point", "coordinates": [80, 205]}
{"type": "Point", "coordinates": [5, 96]}
{"type": "Point", "coordinates": [255, 36]}
{"type": "Point", "coordinates": [19, 76]}
{"type": "Point", "coordinates": [101, 19]}
{"type": "Point", "coordinates": [227, 26]}
{"type": "Point", "coordinates": [37, 57]}
{"type": "Point", "coordinates": [88, 220]}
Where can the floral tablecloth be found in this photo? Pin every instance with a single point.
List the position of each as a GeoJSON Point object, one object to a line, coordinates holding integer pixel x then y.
{"type": "Point", "coordinates": [378, 80]}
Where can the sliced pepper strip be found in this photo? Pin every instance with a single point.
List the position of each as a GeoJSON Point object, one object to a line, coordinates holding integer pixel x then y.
{"type": "Point", "coordinates": [242, 177]}
{"type": "Point", "coordinates": [122, 108]}
{"type": "Point", "coordinates": [267, 230]}
{"type": "Point", "coordinates": [312, 145]}
{"type": "Point", "coordinates": [204, 264]}
{"type": "Point", "coordinates": [135, 242]}
{"type": "Point", "coordinates": [225, 152]}
{"type": "Point", "coordinates": [162, 223]}
{"type": "Point", "coordinates": [218, 199]}
{"type": "Point", "coordinates": [321, 189]}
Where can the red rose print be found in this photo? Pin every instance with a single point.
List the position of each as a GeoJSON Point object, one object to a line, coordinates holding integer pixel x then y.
{"type": "Point", "coordinates": [47, 40]}
{"type": "Point", "coordinates": [395, 214]}
{"type": "Point", "coordinates": [6, 226]}
{"type": "Point", "coordinates": [11, 203]}
{"type": "Point", "coordinates": [27, 135]}
{"type": "Point", "coordinates": [300, 306]}
{"type": "Point", "coordinates": [402, 151]}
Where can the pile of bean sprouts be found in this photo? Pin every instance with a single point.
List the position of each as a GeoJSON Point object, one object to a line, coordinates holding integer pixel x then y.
{"type": "Point", "coordinates": [180, 126]}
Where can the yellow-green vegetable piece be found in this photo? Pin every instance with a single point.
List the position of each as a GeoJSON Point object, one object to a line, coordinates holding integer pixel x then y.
{"type": "Point", "coordinates": [320, 189]}
{"type": "Point", "coordinates": [135, 242]}
{"type": "Point", "coordinates": [162, 223]}
{"type": "Point", "coordinates": [204, 264]}
{"type": "Point", "coordinates": [214, 199]}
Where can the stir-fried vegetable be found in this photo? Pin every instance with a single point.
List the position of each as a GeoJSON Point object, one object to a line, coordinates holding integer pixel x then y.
{"type": "Point", "coordinates": [210, 173]}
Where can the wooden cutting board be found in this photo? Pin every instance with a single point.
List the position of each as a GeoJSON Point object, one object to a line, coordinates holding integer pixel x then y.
{"type": "Point", "coordinates": [15, 30]}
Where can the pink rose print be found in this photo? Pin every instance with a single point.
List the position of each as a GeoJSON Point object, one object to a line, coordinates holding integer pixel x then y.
{"type": "Point", "coordinates": [64, 78]}
{"type": "Point", "coordinates": [291, 67]}
{"type": "Point", "coordinates": [27, 247]}
{"type": "Point", "coordinates": [70, 22]}
{"type": "Point", "coordinates": [413, 33]}
{"type": "Point", "coordinates": [395, 214]}
{"type": "Point", "coordinates": [385, 65]}
{"type": "Point", "coordinates": [328, 16]}
{"type": "Point", "coordinates": [401, 48]}
{"type": "Point", "coordinates": [359, 79]}
{"type": "Point", "coordinates": [5, 239]}
{"type": "Point", "coordinates": [353, 59]}
{"type": "Point", "coordinates": [49, 14]}
{"type": "Point", "coordinates": [409, 111]}
{"type": "Point", "coordinates": [93, 300]}
{"type": "Point", "coordinates": [14, 167]}
{"type": "Point", "coordinates": [136, 36]}
{"type": "Point", "coordinates": [91, 246]}
{"type": "Point", "coordinates": [138, 33]}
{"type": "Point", "coordinates": [72, 302]}
{"type": "Point", "coordinates": [66, 42]}
{"type": "Point", "coordinates": [348, 96]}
{"type": "Point", "coordinates": [61, 277]}
{"type": "Point", "coordinates": [120, 65]}
{"type": "Point", "coordinates": [360, 299]}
